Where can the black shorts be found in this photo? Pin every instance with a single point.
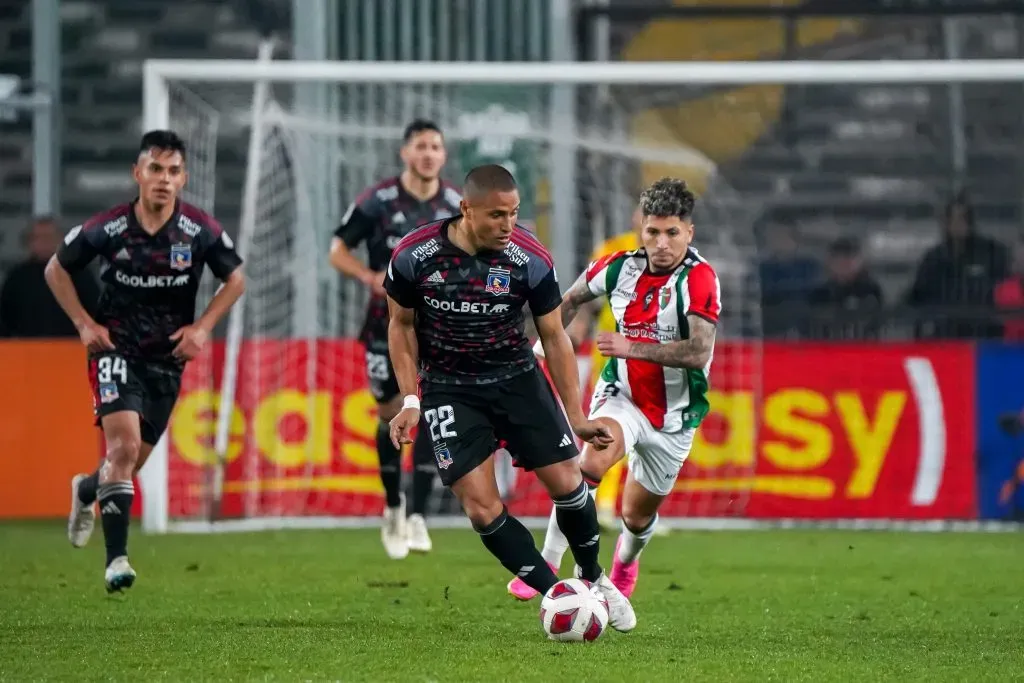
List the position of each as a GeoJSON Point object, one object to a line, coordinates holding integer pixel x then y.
{"type": "Point", "coordinates": [149, 389]}
{"type": "Point", "coordinates": [466, 421]}
{"type": "Point", "coordinates": [379, 371]}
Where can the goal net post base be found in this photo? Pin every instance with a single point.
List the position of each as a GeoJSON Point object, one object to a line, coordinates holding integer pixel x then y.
{"type": "Point", "coordinates": [300, 401]}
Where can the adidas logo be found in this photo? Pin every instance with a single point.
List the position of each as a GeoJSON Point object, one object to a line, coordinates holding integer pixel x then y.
{"type": "Point", "coordinates": [122, 255]}
{"type": "Point", "coordinates": [435, 278]}
{"type": "Point", "coordinates": [566, 441]}
{"type": "Point", "coordinates": [110, 509]}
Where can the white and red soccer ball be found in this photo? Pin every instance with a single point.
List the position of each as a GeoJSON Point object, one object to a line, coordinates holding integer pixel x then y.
{"type": "Point", "coordinates": [573, 611]}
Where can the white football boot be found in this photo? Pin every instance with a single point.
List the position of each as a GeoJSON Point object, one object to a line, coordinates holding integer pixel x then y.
{"type": "Point", "coordinates": [119, 575]}
{"type": "Point", "coordinates": [621, 616]}
{"type": "Point", "coordinates": [419, 538]}
{"type": "Point", "coordinates": [82, 518]}
{"type": "Point", "coordinates": [393, 533]}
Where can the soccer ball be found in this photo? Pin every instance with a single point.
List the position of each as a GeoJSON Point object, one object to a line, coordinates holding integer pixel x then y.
{"type": "Point", "coordinates": [573, 611]}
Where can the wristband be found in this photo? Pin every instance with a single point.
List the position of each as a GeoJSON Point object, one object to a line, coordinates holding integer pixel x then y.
{"type": "Point", "coordinates": [411, 401]}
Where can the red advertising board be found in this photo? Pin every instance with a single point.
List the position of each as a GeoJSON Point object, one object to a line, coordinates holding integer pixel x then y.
{"type": "Point", "coordinates": [796, 430]}
{"type": "Point", "coordinates": [844, 431]}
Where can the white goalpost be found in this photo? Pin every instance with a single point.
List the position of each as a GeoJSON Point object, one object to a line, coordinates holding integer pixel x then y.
{"type": "Point", "coordinates": [279, 410]}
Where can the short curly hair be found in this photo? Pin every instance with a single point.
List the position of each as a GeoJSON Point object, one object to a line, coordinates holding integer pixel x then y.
{"type": "Point", "coordinates": [668, 197]}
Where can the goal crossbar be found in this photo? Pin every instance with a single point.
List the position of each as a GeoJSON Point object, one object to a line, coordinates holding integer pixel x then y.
{"type": "Point", "coordinates": [605, 73]}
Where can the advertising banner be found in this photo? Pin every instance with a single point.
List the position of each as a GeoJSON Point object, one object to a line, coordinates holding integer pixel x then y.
{"type": "Point", "coordinates": [843, 431]}
{"type": "Point", "coordinates": [46, 426]}
{"type": "Point", "coordinates": [1000, 416]}
{"type": "Point", "coordinates": [795, 430]}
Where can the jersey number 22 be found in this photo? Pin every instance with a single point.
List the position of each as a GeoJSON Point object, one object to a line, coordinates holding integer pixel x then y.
{"type": "Point", "coordinates": [440, 420]}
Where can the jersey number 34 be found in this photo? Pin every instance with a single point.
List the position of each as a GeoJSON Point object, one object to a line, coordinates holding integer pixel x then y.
{"type": "Point", "coordinates": [109, 367]}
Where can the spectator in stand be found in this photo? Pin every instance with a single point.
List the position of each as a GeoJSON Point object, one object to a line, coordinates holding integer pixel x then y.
{"type": "Point", "coordinates": [1009, 297]}
{"type": "Point", "coordinates": [27, 307]}
{"type": "Point", "coordinates": [786, 276]}
{"type": "Point", "coordinates": [846, 305]}
{"type": "Point", "coordinates": [956, 279]}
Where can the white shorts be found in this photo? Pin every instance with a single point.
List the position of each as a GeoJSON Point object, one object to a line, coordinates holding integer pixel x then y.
{"type": "Point", "coordinates": [655, 457]}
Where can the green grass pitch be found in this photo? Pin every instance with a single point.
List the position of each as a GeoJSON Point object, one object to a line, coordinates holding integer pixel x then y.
{"type": "Point", "coordinates": [327, 605]}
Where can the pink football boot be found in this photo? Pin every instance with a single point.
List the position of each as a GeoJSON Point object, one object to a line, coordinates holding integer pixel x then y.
{"type": "Point", "coordinates": [520, 591]}
{"type": "Point", "coordinates": [624, 576]}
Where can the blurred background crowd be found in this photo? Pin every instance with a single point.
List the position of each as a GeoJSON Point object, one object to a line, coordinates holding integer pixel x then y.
{"type": "Point", "coordinates": [886, 212]}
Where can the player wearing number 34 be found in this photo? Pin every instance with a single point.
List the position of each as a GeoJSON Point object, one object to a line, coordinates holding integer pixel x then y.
{"type": "Point", "coordinates": [154, 250]}
{"type": "Point", "coordinates": [456, 292]}
{"type": "Point", "coordinates": [652, 394]}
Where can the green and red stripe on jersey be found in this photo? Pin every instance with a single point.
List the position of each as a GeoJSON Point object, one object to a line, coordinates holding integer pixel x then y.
{"type": "Point", "coordinates": [646, 379]}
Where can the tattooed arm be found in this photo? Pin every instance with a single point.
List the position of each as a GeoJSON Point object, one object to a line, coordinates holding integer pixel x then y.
{"type": "Point", "coordinates": [576, 298]}
{"type": "Point", "coordinates": [694, 352]}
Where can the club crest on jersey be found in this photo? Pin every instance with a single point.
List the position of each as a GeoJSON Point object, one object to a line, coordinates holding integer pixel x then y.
{"type": "Point", "coordinates": [498, 280]}
{"type": "Point", "coordinates": [108, 392]}
{"type": "Point", "coordinates": [664, 297]}
{"type": "Point", "coordinates": [181, 256]}
{"type": "Point", "coordinates": [443, 456]}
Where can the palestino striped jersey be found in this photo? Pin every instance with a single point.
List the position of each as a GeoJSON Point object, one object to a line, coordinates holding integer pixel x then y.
{"type": "Point", "coordinates": [652, 308]}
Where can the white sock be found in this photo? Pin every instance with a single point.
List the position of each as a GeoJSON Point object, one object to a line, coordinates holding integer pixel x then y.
{"type": "Point", "coordinates": [555, 542]}
{"type": "Point", "coordinates": [632, 544]}
{"type": "Point", "coordinates": [504, 473]}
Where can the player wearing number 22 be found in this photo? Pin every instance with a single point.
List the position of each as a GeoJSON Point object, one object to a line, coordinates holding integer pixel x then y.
{"type": "Point", "coordinates": [153, 251]}
{"type": "Point", "coordinates": [457, 289]}
{"type": "Point", "coordinates": [652, 394]}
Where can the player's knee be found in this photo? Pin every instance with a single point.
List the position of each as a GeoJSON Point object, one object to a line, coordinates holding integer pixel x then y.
{"type": "Point", "coordinates": [481, 512]}
{"type": "Point", "coordinates": [595, 464]}
{"type": "Point", "coordinates": [636, 520]}
{"type": "Point", "coordinates": [635, 517]}
{"type": "Point", "coordinates": [123, 453]}
{"type": "Point", "coordinates": [482, 516]}
{"type": "Point", "coordinates": [639, 510]}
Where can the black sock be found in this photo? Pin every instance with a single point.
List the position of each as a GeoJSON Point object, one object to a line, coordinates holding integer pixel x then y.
{"type": "Point", "coordinates": [390, 465]}
{"type": "Point", "coordinates": [576, 514]}
{"type": "Point", "coordinates": [423, 473]}
{"type": "Point", "coordinates": [115, 512]}
{"type": "Point", "coordinates": [87, 488]}
{"type": "Point", "coordinates": [512, 543]}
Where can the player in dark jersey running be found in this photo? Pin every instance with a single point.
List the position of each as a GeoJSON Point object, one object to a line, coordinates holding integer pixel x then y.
{"type": "Point", "coordinates": [457, 289]}
{"type": "Point", "coordinates": [381, 216]}
{"type": "Point", "coordinates": [153, 250]}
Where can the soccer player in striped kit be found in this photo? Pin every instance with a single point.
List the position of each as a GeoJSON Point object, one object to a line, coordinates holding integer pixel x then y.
{"type": "Point", "coordinates": [652, 395]}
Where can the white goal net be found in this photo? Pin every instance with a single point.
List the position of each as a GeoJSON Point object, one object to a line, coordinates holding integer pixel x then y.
{"type": "Point", "coordinates": [298, 441]}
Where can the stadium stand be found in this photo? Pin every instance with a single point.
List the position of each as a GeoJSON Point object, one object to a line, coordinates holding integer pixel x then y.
{"type": "Point", "coordinates": [870, 161]}
{"type": "Point", "coordinates": [103, 45]}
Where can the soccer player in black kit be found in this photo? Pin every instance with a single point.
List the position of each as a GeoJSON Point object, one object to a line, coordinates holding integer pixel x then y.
{"type": "Point", "coordinates": [456, 292]}
{"type": "Point", "coordinates": [153, 250]}
{"type": "Point", "coordinates": [381, 216]}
